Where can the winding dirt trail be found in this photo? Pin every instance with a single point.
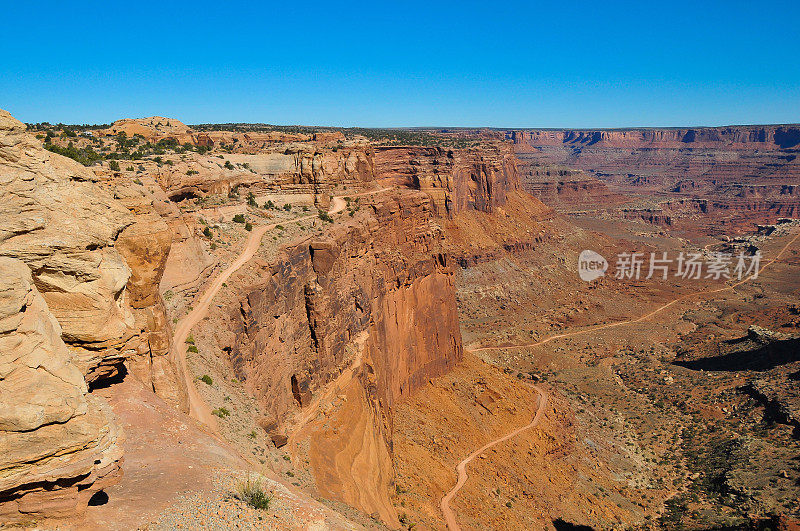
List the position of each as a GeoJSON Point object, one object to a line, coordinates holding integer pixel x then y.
{"type": "Point", "coordinates": [198, 408]}
{"type": "Point", "coordinates": [449, 516]}
{"type": "Point", "coordinates": [658, 310]}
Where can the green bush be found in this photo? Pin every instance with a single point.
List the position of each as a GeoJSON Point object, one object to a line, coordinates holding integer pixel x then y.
{"type": "Point", "coordinates": [221, 412]}
{"type": "Point", "coordinates": [324, 216]}
{"type": "Point", "coordinates": [190, 339]}
{"type": "Point", "coordinates": [252, 493]}
{"type": "Point", "coordinates": [228, 165]}
{"type": "Point", "coordinates": [206, 379]}
{"type": "Point", "coordinates": [192, 348]}
{"type": "Point", "coordinates": [251, 200]}
{"type": "Point", "coordinates": [207, 232]}
{"type": "Point", "coordinates": [238, 218]}
{"type": "Point", "coordinates": [248, 226]}
{"type": "Point", "coordinates": [113, 165]}
{"type": "Point", "coordinates": [287, 207]}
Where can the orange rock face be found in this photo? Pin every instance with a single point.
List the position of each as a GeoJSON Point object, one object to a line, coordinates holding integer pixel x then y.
{"type": "Point", "coordinates": [455, 179]}
{"type": "Point", "coordinates": [376, 298]}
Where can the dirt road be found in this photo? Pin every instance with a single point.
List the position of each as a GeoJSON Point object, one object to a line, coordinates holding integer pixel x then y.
{"type": "Point", "coordinates": [198, 409]}
{"type": "Point", "coordinates": [658, 310]}
{"type": "Point", "coordinates": [449, 516]}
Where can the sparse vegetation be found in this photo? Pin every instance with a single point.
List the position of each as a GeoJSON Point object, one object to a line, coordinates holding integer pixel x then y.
{"type": "Point", "coordinates": [192, 349]}
{"type": "Point", "coordinates": [206, 379]}
{"type": "Point", "coordinates": [324, 216]}
{"type": "Point", "coordinates": [221, 412]}
{"type": "Point", "coordinates": [239, 218]}
{"type": "Point", "coordinates": [252, 492]}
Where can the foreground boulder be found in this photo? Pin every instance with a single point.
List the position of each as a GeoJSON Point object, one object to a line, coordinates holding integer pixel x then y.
{"type": "Point", "coordinates": [58, 444]}
{"type": "Point", "coordinates": [81, 265]}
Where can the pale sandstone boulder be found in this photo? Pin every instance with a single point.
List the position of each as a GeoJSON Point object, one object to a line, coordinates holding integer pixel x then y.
{"type": "Point", "coordinates": [58, 445]}
{"type": "Point", "coordinates": [63, 227]}
{"type": "Point", "coordinates": [96, 257]}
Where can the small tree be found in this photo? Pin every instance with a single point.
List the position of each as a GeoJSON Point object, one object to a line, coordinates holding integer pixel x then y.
{"type": "Point", "coordinates": [239, 218]}
{"type": "Point", "coordinates": [114, 165]}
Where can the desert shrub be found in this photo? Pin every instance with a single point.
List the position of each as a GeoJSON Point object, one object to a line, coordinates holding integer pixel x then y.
{"type": "Point", "coordinates": [280, 227]}
{"type": "Point", "coordinates": [190, 339]}
{"type": "Point", "coordinates": [248, 226]}
{"type": "Point", "coordinates": [113, 165]}
{"type": "Point", "coordinates": [86, 156]}
{"type": "Point", "coordinates": [251, 200]}
{"type": "Point", "coordinates": [252, 492]}
{"type": "Point", "coordinates": [238, 218]}
{"type": "Point", "coordinates": [228, 165]}
{"type": "Point", "coordinates": [192, 172]}
{"type": "Point", "coordinates": [287, 207]}
{"type": "Point", "coordinates": [206, 379]}
{"type": "Point", "coordinates": [324, 216]}
{"type": "Point", "coordinates": [221, 412]}
{"type": "Point", "coordinates": [192, 348]}
{"type": "Point", "coordinates": [207, 232]}
{"type": "Point", "coordinates": [130, 168]}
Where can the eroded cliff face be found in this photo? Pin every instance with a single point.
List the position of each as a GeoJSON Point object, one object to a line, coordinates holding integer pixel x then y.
{"type": "Point", "coordinates": [93, 264]}
{"type": "Point", "coordinates": [457, 180]}
{"type": "Point", "coordinates": [373, 300]}
{"type": "Point", "coordinates": [302, 168]}
{"type": "Point", "coordinates": [747, 172]}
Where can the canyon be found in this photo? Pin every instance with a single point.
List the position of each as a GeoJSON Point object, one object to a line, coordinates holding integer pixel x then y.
{"type": "Point", "coordinates": [360, 319]}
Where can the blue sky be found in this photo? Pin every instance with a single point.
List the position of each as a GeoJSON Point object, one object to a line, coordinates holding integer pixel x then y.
{"type": "Point", "coordinates": [377, 64]}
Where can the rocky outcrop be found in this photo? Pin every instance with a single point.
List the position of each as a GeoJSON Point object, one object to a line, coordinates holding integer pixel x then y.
{"type": "Point", "coordinates": [384, 275]}
{"type": "Point", "coordinates": [58, 444]}
{"type": "Point", "coordinates": [375, 297]}
{"type": "Point", "coordinates": [94, 258]}
{"type": "Point", "coordinates": [475, 178]}
{"type": "Point", "coordinates": [297, 168]}
{"type": "Point", "coordinates": [564, 188]}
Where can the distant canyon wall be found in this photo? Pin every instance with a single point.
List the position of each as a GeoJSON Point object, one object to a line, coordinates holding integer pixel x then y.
{"type": "Point", "coordinates": [457, 180]}
{"type": "Point", "coordinates": [748, 171]}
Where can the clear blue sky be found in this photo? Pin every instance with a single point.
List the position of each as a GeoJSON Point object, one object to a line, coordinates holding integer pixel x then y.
{"type": "Point", "coordinates": [409, 63]}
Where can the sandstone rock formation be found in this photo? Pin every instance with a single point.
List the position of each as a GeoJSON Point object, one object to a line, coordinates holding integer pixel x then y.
{"type": "Point", "coordinates": [58, 444]}
{"type": "Point", "coordinates": [456, 179]}
{"type": "Point", "coordinates": [92, 263]}
{"type": "Point", "coordinates": [297, 168]}
{"type": "Point", "coordinates": [382, 278]}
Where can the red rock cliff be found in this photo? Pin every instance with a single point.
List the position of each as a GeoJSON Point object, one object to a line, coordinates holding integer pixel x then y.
{"type": "Point", "coordinates": [476, 178]}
